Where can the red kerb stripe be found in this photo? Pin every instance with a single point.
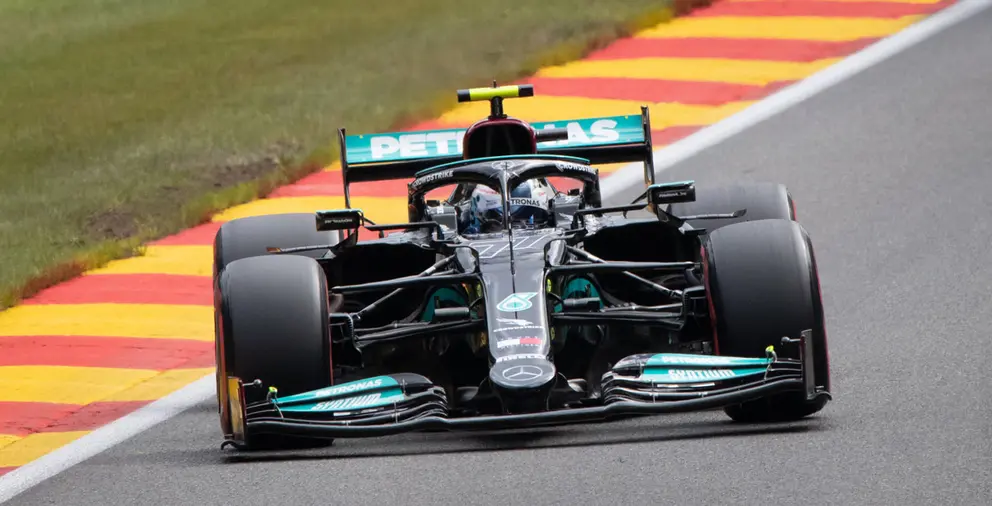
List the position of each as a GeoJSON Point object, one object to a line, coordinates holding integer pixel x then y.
{"type": "Point", "coordinates": [98, 351]}
{"type": "Point", "coordinates": [202, 235]}
{"type": "Point", "coordinates": [329, 183]}
{"type": "Point", "coordinates": [23, 418]}
{"type": "Point", "coordinates": [129, 289]}
{"type": "Point", "coordinates": [648, 90]}
{"type": "Point", "coordinates": [738, 49]}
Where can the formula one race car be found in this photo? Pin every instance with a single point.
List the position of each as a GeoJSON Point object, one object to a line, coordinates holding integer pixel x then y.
{"type": "Point", "coordinates": [515, 301]}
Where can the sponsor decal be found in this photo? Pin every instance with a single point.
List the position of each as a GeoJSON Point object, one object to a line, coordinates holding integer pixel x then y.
{"type": "Point", "coordinates": [521, 356]}
{"type": "Point", "coordinates": [563, 166]}
{"type": "Point", "coordinates": [665, 375]}
{"type": "Point", "coordinates": [515, 325]}
{"type": "Point", "coordinates": [704, 360]}
{"type": "Point", "coordinates": [372, 400]}
{"type": "Point", "coordinates": [430, 178]}
{"type": "Point", "coordinates": [519, 201]}
{"type": "Point", "coordinates": [528, 202]}
{"type": "Point", "coordinates": [416, 145]}
{"type": "Point", "coordinates": [513, 321]}
{"type": "Point", "coordinates": [349, 387]}
{"type": "Point", "coordinates": [691, 360]}
{"type": "Point", "coordinates": [449, 142]}
{"type": "Point", "coordinates": [701, 374]}
{"type": "Point", "coordinates": [519, 341]}
{"type": "Point", "coordinates": [338, 221]}
{"type": "Point", "coordinates": [526, 327]}
{"type": "Point", "coordinates": [362, 401]}
{"type": "Point", "coordinates": [599, 131]}
{"type": "Point", "coordinates": [671, 194]}
{"type": "Point", "coordinates": [517, 302]}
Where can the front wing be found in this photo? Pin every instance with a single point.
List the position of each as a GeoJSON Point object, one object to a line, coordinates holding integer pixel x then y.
{"type": "Point", "coordinates": [638, 385]}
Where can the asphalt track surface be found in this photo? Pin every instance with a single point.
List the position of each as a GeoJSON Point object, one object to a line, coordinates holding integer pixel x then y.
{"type": "Point", "coordinates": [892, 171]}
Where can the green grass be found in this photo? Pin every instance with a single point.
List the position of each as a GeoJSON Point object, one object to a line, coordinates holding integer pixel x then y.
{"type": "Point", "coordinates": [122, 120]}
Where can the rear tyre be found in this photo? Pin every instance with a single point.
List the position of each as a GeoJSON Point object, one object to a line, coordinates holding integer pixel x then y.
{"type": "Point", "coordinates": [763, 201]}
{"type": "Point", "coordinates": [272, 326]}
{"type": "Point", "coordinates": [249, 237]}
{"type": "Point", "coordinates": [762, 284]}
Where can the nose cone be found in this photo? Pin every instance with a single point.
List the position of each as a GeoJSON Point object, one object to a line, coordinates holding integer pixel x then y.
{"type": "Point", "coordinates": [522, 373]}
{"type": "Point", "coordinates": [523, 384]}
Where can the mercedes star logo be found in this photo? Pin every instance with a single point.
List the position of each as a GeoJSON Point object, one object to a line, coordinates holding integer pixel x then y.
{"type": "Point", "coordinates": [522, 373]}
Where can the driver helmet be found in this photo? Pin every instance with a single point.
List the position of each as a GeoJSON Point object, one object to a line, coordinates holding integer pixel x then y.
{"type": "Point", "coordinates": [529, 208]}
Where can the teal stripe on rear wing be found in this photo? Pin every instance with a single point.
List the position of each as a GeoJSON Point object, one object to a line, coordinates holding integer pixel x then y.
{"type": "Point", "coordinates": [400, 155]}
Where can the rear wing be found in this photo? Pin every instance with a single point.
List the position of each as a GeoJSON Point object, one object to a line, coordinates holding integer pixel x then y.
{"type": "Point", "coordinates": [400, 155]}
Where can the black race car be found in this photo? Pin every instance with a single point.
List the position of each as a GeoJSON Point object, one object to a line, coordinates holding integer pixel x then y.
{"type": "Point", "coordinates": [515, 302]}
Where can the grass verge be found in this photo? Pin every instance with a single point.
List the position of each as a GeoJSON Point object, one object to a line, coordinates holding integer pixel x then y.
{"type": "Point", "coordinates": [123, 121]}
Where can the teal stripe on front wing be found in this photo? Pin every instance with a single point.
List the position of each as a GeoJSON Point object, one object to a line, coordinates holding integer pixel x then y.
{"type": "Point", "coordinates": [354, 402]}
{"type": "Point", "coordinates": [689, 360]}
{"type": "Point", "coordinates": [676, 375]}
{"type": "Point", "coordinates": [345, 389]}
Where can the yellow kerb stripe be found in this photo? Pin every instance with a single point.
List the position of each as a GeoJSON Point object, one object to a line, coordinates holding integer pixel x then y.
{"type": "Point", "coordinates": [560, 108]}
{"type": "Point", "coordinates": [378, 209]}
{"type": "Point", "coordinates": [33, 446]}
{"type": "Point", "coordinates": [161, 385]}
{"type": "Point", "coordinates": [750, 72]}
{"type": "Point", "coordinates": [780, 27]}
{"type": "Point", "coordinates": [608, 168]}
{"type": "Point", "coordinates": [65, 384]}
{"type": "Point", "coordinates": [165, 321]}
{"type": "Point", "coordinates": [8, 439]}
{"type": "Point", "coordinates": [183, 260]}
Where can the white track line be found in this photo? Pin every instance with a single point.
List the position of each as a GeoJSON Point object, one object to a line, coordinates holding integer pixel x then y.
{"type": "Point", "coordinates": [116, 432]}
{"type": "Point", "coordinates": [109, 435]}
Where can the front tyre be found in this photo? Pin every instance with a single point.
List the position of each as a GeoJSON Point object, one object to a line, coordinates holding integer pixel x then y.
{"type": "Point", "coordinates": [273, 327]}
{"type": "Point", "coordinates": [762, 284]}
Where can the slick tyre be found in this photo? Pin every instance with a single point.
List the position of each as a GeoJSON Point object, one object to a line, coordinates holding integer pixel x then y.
{"type": "Point", "coordinates": [763, 201]}
{"type": "Point", "coordinates": [762, 284]}
{"type": "Point", "coordinates": [272, 326]}
{"type": "Point", "coordinates": [249, 237]}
